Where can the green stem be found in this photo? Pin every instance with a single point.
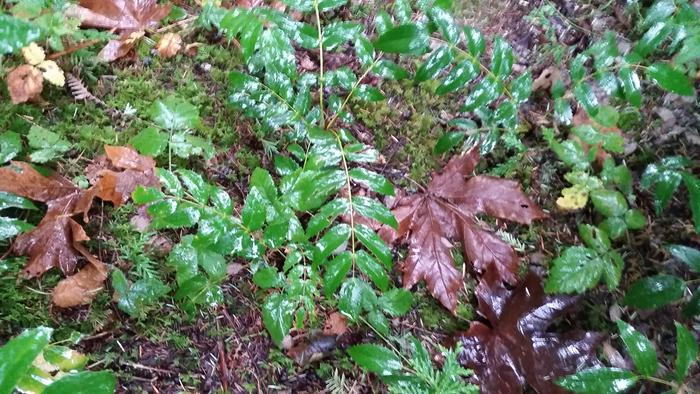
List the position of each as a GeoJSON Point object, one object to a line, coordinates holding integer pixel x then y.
{"type": "Point", "coordinates": [352, 92]}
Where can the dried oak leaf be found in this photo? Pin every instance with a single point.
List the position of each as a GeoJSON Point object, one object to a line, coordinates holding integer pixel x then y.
{"type": "Point", "coordinates": [24, 83]}
{"type": "Point", "coordinates": [515, 347]}
{"type": "Point", "coordinates": [129, 18]}
{"type": "Point", "coordinates": [446, 211]}
{"type": "Point", "coordinates": [51, 243]}
{"type": "Point", "coordinates": [169, 45]}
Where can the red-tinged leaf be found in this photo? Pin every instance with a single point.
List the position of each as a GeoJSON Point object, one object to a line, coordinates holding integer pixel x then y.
{"type": "Point", "coordinates": [445, 212]}
{"type": "Point", "coordinates": [516, 347]}
{"type": "Point", "coordinates": [430, 255]}
{"type": "Point", "coordinates": [81, 288]}
{"type": "Point", "coordinates": [500, 198]}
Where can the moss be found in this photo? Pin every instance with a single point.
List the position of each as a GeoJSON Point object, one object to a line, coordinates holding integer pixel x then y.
{"type": "Point", "coordinates": [410, 115]}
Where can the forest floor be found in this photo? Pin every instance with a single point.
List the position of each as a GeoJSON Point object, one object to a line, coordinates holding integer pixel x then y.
{"type": "Point", "coordinates": [227, 348]}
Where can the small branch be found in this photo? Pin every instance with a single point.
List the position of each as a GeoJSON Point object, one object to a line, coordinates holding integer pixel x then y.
{"type": "Point", "coordinates": [72, 49]}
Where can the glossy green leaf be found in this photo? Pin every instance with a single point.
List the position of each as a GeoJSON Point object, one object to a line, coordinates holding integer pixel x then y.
{"type": "Point", "coordinates": [262, 180]}
{"type": "Point", "coordinates": [448, 141]}
{"type": "Point", "coordinates": [150, 142]}
{"type": "Point", "coordinates": [330, 242]}
{"type": "Point", "coordinates": [654, 291]}
{"type": "Point", "coordinates": [652, 39]}
{"type": "Point", "coordinates": [502, 58]}
{"type": "Point", "coordinates": [692, 307]}
{"type": "Point", "coordinates": [145, 195]}
{"type": "Point", "coordinates": [383, 22]}
{"type": "Point", "coordinates": [10, 146]}
{"type": "Point", "coordinates": [607, 116]}
{"type": "Point", "coordinates": [254, 210]}
{"type": "Point", "coordinates": [9, 200]}
{"type": "Point", "coordinates": [587, 98]}
{"type": "Point", "coordinates": [326, 5]}
{"type": "Point", "coordinates": [408, 38]}
{"type": "Point", "coordinates": [170, 182]}
{"type": "Point", "coordinates": [692, 183]}
{"type": "Point", "coordinates": [635, 219]}
{"type": "Point", "coordinates": [379, 322]}
{"type": "Point", "coordinates": [506, 115]}
{"type": "Point", "coordinates": [15, 34]}
{"type": "Point", "coordinates": [576, 270]}
{"type": "Point", "coordinates": [690, 256]}
{"type": "Point", "coordinates": [17, 355]}
{"type": "Point", "coordinates": [174, 113]}
{"type": "Point", "coordinates": [521, 87]}
{"type": "Point", "coordinates": [375, 358]}
{"type": "Point", "coordinates": [390, 70]}
{"type": "Point", "coordinates": [562, 111]}
{"type": "Point", "coordinates": [355, 294]}
{"type": "Point", "coordinates": [460, 75]}
{"type": "Point", "coordinates": [326, 215]}
{"type": "Point", "coordinates": [396, 302]}
{"type": "Point", "coordinates": [369, 93]}
{"type": "Point", "coordinates": [445, 23]}
{"type": "Point", "coordinates": [403, 11]}
{"type": "Point", "coordinates": [195, 185]}
{"type": "Point", "coordinates": [615, 227]}
{"type": "Point", "coordinates": [364, 50]}
{"type": "Point", "coordinates": [47, 145]}
{"type": "Point", "coordinates": [278, 314]}
{"type": "Point", "coordinates": [374, 181]}
{"type": "Point", "coordinates": [670, 79]}
{"type": "Point", "coordinates": [640, 349]}
{"type": "Point", "coordinates": [686, 351]}
{"type": "Point", "coordinates": [86, 382]}
{"type": "Point", "coordinates": [373, 209]}
{"type": "Point", "coordinates": [599, 381]}
{"type": "Point", "coordinates": [434, 64]}
{"type": "Point", "coordinates": [631, 86]}
{"type": "Point", "coordinates": [266, 277]}
{"type": "Point", "coordinates": [374, 271]}
{"type": "Point", "coordinates": [338, 33]}
{"type": "Point", "coordinates": [475, 41]}
{"type": "Point", "coordinates": [484, 93]}
{"type": "Point", "coordinates": [336, 270]}
{"type": "Point", "coordinates": [609, 202]}
{"type": "Point", "coordinates": [659, 11]}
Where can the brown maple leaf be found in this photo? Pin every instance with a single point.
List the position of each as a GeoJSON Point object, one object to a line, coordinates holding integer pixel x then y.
{"type": "Point", "coordinates": [50, 244]}
{"type": "Point", "coordinates": [129, 18]}
{"type": "Point", "coordinates": [515, 347]}
{"type": "Point", "coordinates": [447, 211]}
{"type": "Point", "coordinates": [56, 240]}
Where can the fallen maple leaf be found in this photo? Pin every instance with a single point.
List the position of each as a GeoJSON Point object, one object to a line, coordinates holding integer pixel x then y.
{"type": "Point", "coordinates": [56, 241]}
{"type": "Point", "coordinates": [169, 45]}
{"type": "Point", "coordinates": [129, 18]}
{"type": "Point", "coordinates": [24, 83]}
{"type": "Point", "coordinates": [516, 348]}
{"type": "Point", "coordinates": [447, 210]}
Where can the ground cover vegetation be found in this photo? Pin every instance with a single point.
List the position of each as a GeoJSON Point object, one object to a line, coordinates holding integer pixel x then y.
{"type": "Point", "coordinates": [431, 196]}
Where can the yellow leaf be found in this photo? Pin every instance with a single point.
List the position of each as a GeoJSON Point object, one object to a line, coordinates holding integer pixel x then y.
{"type": "Point", "coordinates": [573, 198]}
{"type": "Point", "coordinates": [33, 54]}
{"type": "Point", "coordinates": [52, 72]}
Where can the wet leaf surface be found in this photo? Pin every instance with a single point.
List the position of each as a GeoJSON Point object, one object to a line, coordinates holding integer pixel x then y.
{"type": "Point", "coordinates": [447, 211]}
{"type": "Point", "coordinates": [515, 346]}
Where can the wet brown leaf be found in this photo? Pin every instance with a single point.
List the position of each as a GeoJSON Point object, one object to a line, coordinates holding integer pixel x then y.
{"type": "Point", "coordinates": [336, 324]}
{"type": "Point", "coordinates": [24, 83]}
{"type": "Point", "coordinates": [128, 18]}
{"type": "Point", "coordinates": [50, 244]}
{"type": "Point", "coordinates": [81, 288]}
{"type": "Point", "coordinates": [515, 347]}
{"type": "Point", "coordinates": [446, 211]}
{"type": "Point", "coordinates": [169, 45]}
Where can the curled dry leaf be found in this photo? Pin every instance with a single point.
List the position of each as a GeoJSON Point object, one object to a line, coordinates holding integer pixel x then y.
{"type": "Point", "coordinates": [169, 45]}
{"type": "Point", "coordinates": [516, 347]}
{"type": "Point", "coordinates": [546, 79]}
{"type": "Point", "coordinates": [447, 211]}
{"type": "Point", "coordinates": [24, 83]}
{"type": "Point", "coordinates": [81, 288]}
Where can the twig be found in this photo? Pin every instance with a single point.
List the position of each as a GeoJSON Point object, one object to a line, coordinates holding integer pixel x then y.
{"type": "Point", "coordinates": [72, 49]}
{"type": "Point", "coordinates": [147, 368]}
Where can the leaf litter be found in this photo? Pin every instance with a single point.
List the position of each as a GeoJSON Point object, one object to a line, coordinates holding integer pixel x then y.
{"type": "Point", "coordinates": [57, 241]}
{"type": "Point", "coordinates": [446, 211]}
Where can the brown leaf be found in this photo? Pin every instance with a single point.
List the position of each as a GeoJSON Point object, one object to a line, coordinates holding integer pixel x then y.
{"type": "Point", "coordinates": [169, 45]}
{"type": "Point", "coordinates": [123, 16]}
{"type": "Point", "coordinates": [546, 79]}
{"type": "Point", "coordinates": [50, 244]}
{"type": "Point", "coordinates": [446, 211]}
{"type": "Point", "coordinates": [336, 324]}
{"type": "Point", "coordinates": [81, 288]}
{"type": "Point", "coordinates": [24, 83]}
{"type": "Point", "coordinates": [516, 347]}
{"type": "Point", "coordinates": [129, 18]}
